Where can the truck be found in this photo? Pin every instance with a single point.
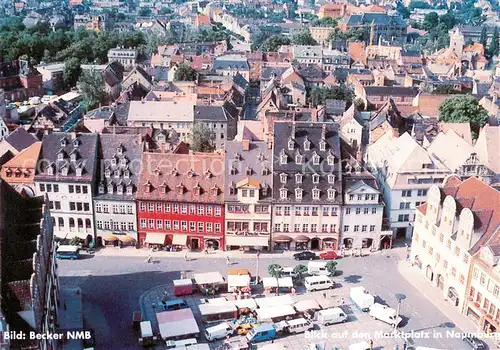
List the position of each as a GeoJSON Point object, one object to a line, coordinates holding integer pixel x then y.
{"type": "Point", "coordinates": [330, 316]}
{"type": "Point", "coordinates": [385, 314]}
{"type": "Point", "coordinates": [362, 298]}
{"type": "Point", "coordinates": [264, 332]}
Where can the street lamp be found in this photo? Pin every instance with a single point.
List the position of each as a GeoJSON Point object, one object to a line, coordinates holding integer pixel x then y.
{"type": "Point", "coordinates": [399, 297]}
{"type": "Point", "coordinates": [257, 269]}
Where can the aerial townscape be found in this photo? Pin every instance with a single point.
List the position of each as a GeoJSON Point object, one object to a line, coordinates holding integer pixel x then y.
{"type": "Point", "coordinates": [261, 174]}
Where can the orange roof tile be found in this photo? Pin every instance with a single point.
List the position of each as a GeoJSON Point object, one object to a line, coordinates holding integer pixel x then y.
{"type": "Point", "coordinates": [24, 161]}
{"type": "Point", "coordinates": [357, 51]}
{"type": "Point", "coordinates": [475, 47]}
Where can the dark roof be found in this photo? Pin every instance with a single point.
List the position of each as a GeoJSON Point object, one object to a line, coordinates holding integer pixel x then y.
{"type": "Point", "coordinates": [299, 132]}
{"type": "Point", "coordinates": [378, 19]}
{"type": "Point", "coordinates": [211, 113]}
{"type": "Point", "coordinates": [118, 154]}
{"type": "Point", "coordinates": [311, 72]}
{"type": "Point", "coordinates": [239, 80]}
{"type": "Point", "coordinates": [336, 107]}
{"type": "Point", "coordinates": [226, 63]}
{"type": "Point", "coordinates": [390, 91]}
{"type": "Point", "coordinates": [20, 139]}
{"type": "Point", "coordinates": [268, 72]}
{"type": "Point", "coordinates": [84, 146]}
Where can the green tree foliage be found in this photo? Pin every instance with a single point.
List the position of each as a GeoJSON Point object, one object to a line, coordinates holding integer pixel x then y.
{"type": "Point", "coordinates": [166, 11]}
{"type": "Point", "coordinates": [352, 34]}
{"type": "Point", "coordinates": [300, 271]}
{"type": "Point", "coordinates": [91, 86]}
{"type": "Point", "coordinates": [484, 36]}
{"type": "Point", "coordinates": [303, 37]}
{"type": "Point", "coordinates": [493, 49]}
{"type": "Point", "coordinates": [275, 271]}
{"type": "Point", "coordinates": [202, 138]}
{"type": "Point", "coordinates": [318, 95]}
{"type": "Point", "coordinates": [273, 43]}
{"type": "Point", "coordinates": [324, 22]}
{"type": "Point", "coordinates": [445, 89]}
{"type": "Point", "coordinates": [185, 73]}
{"type": "Point", "coordinates": [331, 267]}
{"type": "Point", "coordinates": [463, 109]}
{"type": "Point", "coordinates": [402, 10]}
{"type": "Point", "coordinates": [71, 72]}
{"type": "Point", "coordinates": [145, 11]}
{"type": "Point", "coordinates": [431, 20]}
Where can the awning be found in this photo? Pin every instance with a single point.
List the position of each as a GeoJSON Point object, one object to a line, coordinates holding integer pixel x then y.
{"type": "Point", "coordinates": [272, 282]}
{"type": "Point", "coordinates": [179, 240]}
{"type": "Point", "coordinates": [126, 239]}
{"type": "Point", "coordinates": [110, 238]}
{"type": "Point", "coordinates": [156, 238]}
{"type": "Point", "coordinates": [208, 278]}
{"type": "Point", "coordinates": [238, 280]}
{"type": "Point", "coordinates": [282, 238]}
{"type": "Point", "coordinates": [275, 311]}
{"type": "Point", "coordinates": [274, 301]}
{"type": "Point", "coordinates": [248, 241]}
{"type": "Point", "coordinates": [305, 305]}
{"type": "Point", "coordinates": [301, 239]}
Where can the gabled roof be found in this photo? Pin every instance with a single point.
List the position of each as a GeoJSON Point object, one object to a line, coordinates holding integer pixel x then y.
{"type": "Point", "coordinates": [488, 147]}
{"type": "Point", "coordinates": [20, 139]}
{"type": "Point", "coordinates": [449, 148]}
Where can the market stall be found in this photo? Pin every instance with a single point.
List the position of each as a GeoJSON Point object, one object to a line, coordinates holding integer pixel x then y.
{"type": "Point", "coordinates": [307, 307]}
{"type": "Point", "coordinates": [183, 287]}
{"type": "Point", "coordinates": [284, 284]}
{"type": "Point", "coordinates": [275, 313]}
{"type": "Point", "coordinates": [273, 301]}
{"type": "Point", "coordinates": [237, 283]}
{"type": "Point", "coordinates": [177, 324]}
{"type": "Point", "coordinates": [209, 283]}
{"type": "Point", "coordinates": [218, 311]}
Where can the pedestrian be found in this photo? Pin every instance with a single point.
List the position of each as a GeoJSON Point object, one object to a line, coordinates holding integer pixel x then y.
{"type": "Point", "coordinates": [153, 306]}
{"type": "Point", "coordinates": [324, 295]}
{"type": "Point", "coordinates": [228, 261]}
{"type": "Point", "coordinates": [342, 301]}
{"type": "Point", "coordinates": [148, 260]}
{"type": "Point", "coordinates": [371, 344]}
{"type": "Point", "coordinates": [186, 256]}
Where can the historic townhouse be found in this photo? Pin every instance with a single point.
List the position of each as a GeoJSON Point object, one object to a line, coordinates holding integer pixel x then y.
{"type": "Point", "coordinates": [455, 223]}
{"type": "Point", "coordinates": [66, 172]}
{"type": "Point", "coordinates": [114, 203]}
{"type": "Point", "coordinates": [248, 193]}
{"type": "Point", "coordinates": [307, 186]}
{"type": "Point", "coordinates": [181, 201]}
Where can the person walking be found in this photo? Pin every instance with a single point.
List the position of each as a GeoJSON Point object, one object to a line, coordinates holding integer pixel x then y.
{"type": "Point", "coordinates": [148, 260]}
{"type": "Point", "coordinates": [371, 344]}
{"type": "Point", "coordinates": [186, 256]}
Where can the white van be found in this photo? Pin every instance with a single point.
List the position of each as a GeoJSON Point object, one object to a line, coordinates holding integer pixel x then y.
{"type": "Point", "coordinates": [331, 316]}
{"type": "Point", "coordinates": [288, 272]}
{"type": "Point", "coordinates": [220, 331]}
{"type": "Point", "coordinates": [298, 325]}
{"type": "Point", "coordinates": [317, 268]}
{"type": "Point", "coordinates": [362, 298]}
{"type": "Point", "coordinates": [171, 344]}
{"type": "Point", "coordinates": [313, 283]}
{"type": "Point", "coordinates": [385, 314]}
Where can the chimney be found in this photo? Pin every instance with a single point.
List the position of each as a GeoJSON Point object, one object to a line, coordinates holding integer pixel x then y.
{"type": "Point", "coordinates": [73, 135]}
{"type": "Point", "coordinates": [162, 148]}
{"type": "Point", "coordinates": [323, 131]}
{"type": "Point", "coordinates": [292, 134]}
{"type": "Point", "coordinates": [246, 144]}
{"type": "Point", "coordinates": [269, 141]}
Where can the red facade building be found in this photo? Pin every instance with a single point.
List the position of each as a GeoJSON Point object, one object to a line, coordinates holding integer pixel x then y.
{"type": "Point", "coordinates": [180, 200]}
{"type": "Point", "coordinates": [20, 80]}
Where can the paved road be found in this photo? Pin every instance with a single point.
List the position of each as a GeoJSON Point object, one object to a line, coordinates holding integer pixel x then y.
{"type": "Point", "coordinates": [112, 286]}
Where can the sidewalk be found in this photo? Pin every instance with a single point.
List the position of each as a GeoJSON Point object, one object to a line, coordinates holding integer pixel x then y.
{"type": "Point", "coordinates": [434, 295]}
{"type": "Point", "coordinates": [70, 315]}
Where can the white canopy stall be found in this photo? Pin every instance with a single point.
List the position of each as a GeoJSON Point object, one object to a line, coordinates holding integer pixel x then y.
{"type": "Point", "coordinates": [273, 301]}
{"type": "Point", "coordinates": [274, 312]}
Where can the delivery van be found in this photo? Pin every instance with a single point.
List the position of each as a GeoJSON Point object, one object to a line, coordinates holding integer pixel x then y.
{"type": "Point", "coordinates": [331, 316]}
{"type": "Point", "coordinates": [313, 283]}
{"type": "Point", "coordinates": [385, 314]}
{"type": "Point", "coordinates": [298, 325]}
{"type": "Point", "coordinates": [220, 331]}
{"type": "Point", "coordinates": [175, 304]}
{"type": "Point", "coordinates": [362, 298]}
{"type": "Point", "coordinates": [317, 268]}
{"type": "Point", "coordinates": [288, 272]}
{"type": "Point", "coordinates": [172, 344]}
{"type": "Point", "coordinates": [264, 332]}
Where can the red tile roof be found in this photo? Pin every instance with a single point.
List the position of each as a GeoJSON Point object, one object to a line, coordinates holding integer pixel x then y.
{"type": "Point", "coordinates": [176, 177]}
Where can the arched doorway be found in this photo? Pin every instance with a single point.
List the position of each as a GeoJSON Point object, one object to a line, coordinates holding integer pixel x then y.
{"type": "Point", "coordinates": [347, 243]}
{"type": "Point", "coordinates": [366, 243]}
{"type": "Point", "coordinates": [440, 281]}
{"type": "Point", "coordinates": [315, 244]}
{"type": "Point", "coordinates": [429, 273]}
{"type": "Point", "coordinates": [386, 242]}
{"type": "Point", "coordinates": [212, 244]}
{"type": "Point", "coordinates": [453, 296]}
{"type": "Point", "coordinates": [330, 243]}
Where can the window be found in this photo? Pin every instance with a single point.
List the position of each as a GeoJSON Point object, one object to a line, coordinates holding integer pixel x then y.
{"type": "Point", "coordinates": [422, 193]}
{"type": "Point", "coordinates": [283, 178]}
{"type": "Point", "coordinates": [184, 225]}
{"type": "Point", "coordinates": [374, 210]}
{"type": "Point", "coordinates": [496, 290]}
{"type": "Point", "coordinates": [209, 210]}
{"type": "Point", "coordinates": [287, 210]}
{"type": "Point", "coordinates": [305, 228]}
{"type": "Point", "coordinates": [217, 211]}
{"type": "Point", "coordinates": [107, 225]}
{"type": "Point", "coordinates": [365, 210]}
{"type": "Point", "coordinates": [166, 207]}
{"type": "Point", "coordinates": [192, 209]}
{"type": "Point", "coordinates": [283, 193]}
{"type": "Point", "coordinates": [348, 211]}
{"type": "Point", "coordinates": [314, 211]}
{"type": "Point", "coordinates": [244, 193]}
{"type": "Point", "coordinates": [201, 226]}
{"type": "Point", "coordinates": [278, 210]}
{"type": "Point", "coordinates": [315, 178]}
{"type": "Point", "coordinates": [298, 193]}
{"type": "Point", "coordinates": [364, 228]}
{"type": "Point", "coordinates": [296, 228]}
{"type": "Point", "coordinates": [346, 228]}
{"type": "Point", "coordinates": [105, 208]}
{"type": "Point", "coordinates": [130, 226]}
{"type": "Point", "coordinates": [56, 188]}
{"type": "Point", "coordinates": [306, 211]}
{"type": "Point", "coordinates": [217, 227]}
{"type": "Point", "coordinates": [159, 224]}
{"type": "Point", "coordinates": [130, 209]}
{"type": "Point", "coordinates": [184, 209]}
{"type": "Point", "coordinates": [143, 223]}
{"type": "Point", "coordinates": [457, 251]}
{"type": "Point", "coordinates": [72, 206]}
{"type": "Point", "coordinates": [78, 189]}
{"type": "Point", "coordinates": [324, 227]}
{"type": "Point", "coordinates": [454, 271]}
{"type": "Point", "coordinates": [372, 228]}
{"type": "Point", "coordinates": [151, 207]}
{"type": "Point", "coordinates": [298, 178]}
{"type": "Point", "coordinates": [98, 207]}
{"type": "Point", "coordinates": [315, 193]}
{"type": "Point", "coordinates": [438, 257]}
{"type": "Point", "coordinates": [326, 211]}
{"type": "Point", "coordinates": [175, 224]}
{"type": "Point", "coordinates": [462, 279]}
{"type": "Point", "coordinates": [42, 187]}
{"type": "Point", "coordinates": [358, 211]}
{"type": "Point", "coordinates": [466, 258]}
{"type": "Point", "coordinates": [151, 223]}
{"type": "Point", "coordinates": [298, 211]}
{"type": "Point", "coordinates": [142, 206]}
{"type": "Point", "coordinates": [86, 207]}
{"type": "Point", "coordinates": [201, 209]}
{"type": "Point", "coordinates": [122, 209]}
{"type": "Point", "coordinates": [99, 225]}
{"type": "Point", "coordinates": [314, 228]}
{"type": "Point", "coordinates": [286, 227]}
{"type": "Point", "coordinates": [445, 264]}
{"type": "Point", "coordinates": [482, 280]}
{"type": "Point", "coordinates": [192, 226]}
{"type": "Point", "coordinates": [168, 225]}
{"type": "Point", "coordinates": [277, 227]}
{"type": "Point", "coordinates": [115, 209]}
{"type": "Point", "coordinates": [209, 227]}
{"type": "Point", "coordinates": [356, 228]}
{"type": "Point", "coordinates": [175, 207]}
{"type": "Point", "coordinates": [406, 193]}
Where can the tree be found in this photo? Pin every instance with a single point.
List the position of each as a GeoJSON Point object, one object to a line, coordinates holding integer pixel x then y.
{"type": "Point", "coordinates": [72, 71]}
{"type": "Point", "coordinates": [91, 86]}
{"type": "Point", "coordinates": [463, 109]}
{"type": "Point", "coordinates": [331, 267]}
{"type": "Point", "coordinates": [359, 104]}
{"type": "Point", "coordinates": [144, 11]}
{"type": "Point", "coordinates": [273, 43]}
{"type": "Point", "coordinates": [300, 271]}
{"type": "Point", "coordinates": [166, 11]}
{"type": "Point", "coordinates": [318, 95]}
{"type": "Point", "coordinates": [185, 73]}
{"type": "Point", "coordinates": [431, 20]}
{"type": "Point", "coordinates": [303, 37]}
{"type": "Point", "coordinates": [484, 36]}
{"type": "Point", "coordinates": [402, 10]}
{"type": "Point", "coordinates": [202, 138]}
{"type": "Point", "coordinates": [275, 271]}
{"type": "Point", "coordinates": [324, 22]}
{"type": "Point", "coordinates": [495, 44]}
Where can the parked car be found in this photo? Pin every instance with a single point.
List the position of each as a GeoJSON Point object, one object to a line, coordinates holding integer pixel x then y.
{"type": "Point", "coordinates": [474, 342]}
{"type": "Point", "coordinates": [305, 256]}
{"type": "Point", "coordinates": [329, 255]}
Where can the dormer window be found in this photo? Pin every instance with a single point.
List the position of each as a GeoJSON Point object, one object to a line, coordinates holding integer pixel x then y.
{"type": "Point", "coordinates": [147, 187]}
{"type": "Point", "coordinates": [76, 143]}
{"type": "Point", "coordinates": [298, 178]}
{"type": "Point", "coordinates": [322, 145]}
{"type": "Point", "coordinates": [299, 158]}
{"type": "Point", "coordinates": [261, 157]}
{"type": "Point", "coordinates": [119, 149]}
{"type": "Point", "coordinates": [123, 161]}
{"type": "Point", "coordinates": [119, 189]}
{"type": "Point", "coordinates": [73, 156]}
{"type": "Point", "coordinates": [265, 188]}
{"type": "Point", "coordinates": [248, 171]}
{"type": "Point", "coordinates": [107, 173]}
{"type": "Point", "coordinates": [60, 155]}
{"type": "Point", "coordinates": [215, 191]}
{"type": "Point", "coordinates": [197, 190]}
{"type": "Point", "coordinates": [174, 172]}
{"type": "Point", "coordinates": [315, 178]}
{"type": "Point", "coordinates": [64, 171]}
{"type": "Point", "coordinates": [157, 171]}
{"type": "Point", "coordinates": [315, 193]}
{"type": "Point", "coordinates": [283, 157]}
{"type": "Point", "coordinates": [130, 189]}
{"type": "Point", "coordinates": [63, 142]}
{"type": "Point", "coordinates": [8, 172]}
{"type": "Point", "coordinates": [208, 174]}
{"type": "Point", "coordinates": [101, 189]}
{"type": "Point", "coordinates": [330, 159]}
{"type": "Point", "coordinates": [50, 170]}
{"type": "Point", "coordinates": [283, 193]}
{"type": "Point", "coordinates": [265, 170]}
{"type": "Point", "coordinates": [237, 156]}
{"type": "Point", "coordinates": [78, 171]}
{"type": "Point", "coordinates": [180, 190]}
{"type": "Point", "coordinates": [291, 144]}
{"type": "Point", "coordinates": [283, 178]}
{"type": "Point", "coordinates": [126, 174]}
{"type": "Point", "coordinates": [232, 189]}
{"type": "Point", "coordinates": [110, 188]}
{"type": "Point", "coordinates": [331, 193]}
{"type": "Point", "coordinates": [113, 161]}
{"type": "Point", "coordinates": [307, 145]}
{"type": "Point", "coordinates": [163, 187]}
{"type": "Point", "coordinates": [233, 170]}
{"type": "Point", "coordinates": [117, 173]}
{"type": "Point", "coordinates": [190, 173]}
{"type": "Point", "coordinates": [331, 178]}
{"type": "Point", "coordinates": [315, 159]}
{"type": "Point", "coordinates": [298, 193]}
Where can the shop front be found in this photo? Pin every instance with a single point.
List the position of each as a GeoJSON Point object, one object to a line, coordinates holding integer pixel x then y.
{"type": "Point", "coordinates": [301, 243]}
{"type": "Point", "coordinates": [155, 240]}
{"type": "Point", "coordinates": [281, 242]}
{"type": "Point", "coordinates": [234, 242]}
{"type": "Point", "coordinates": [453, 295]}
{"type": "Point", "coordinates": [329, 243]}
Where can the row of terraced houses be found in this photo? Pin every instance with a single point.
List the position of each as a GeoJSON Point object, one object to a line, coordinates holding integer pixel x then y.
{"type": "Point", "coordinates": [131, 186]}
